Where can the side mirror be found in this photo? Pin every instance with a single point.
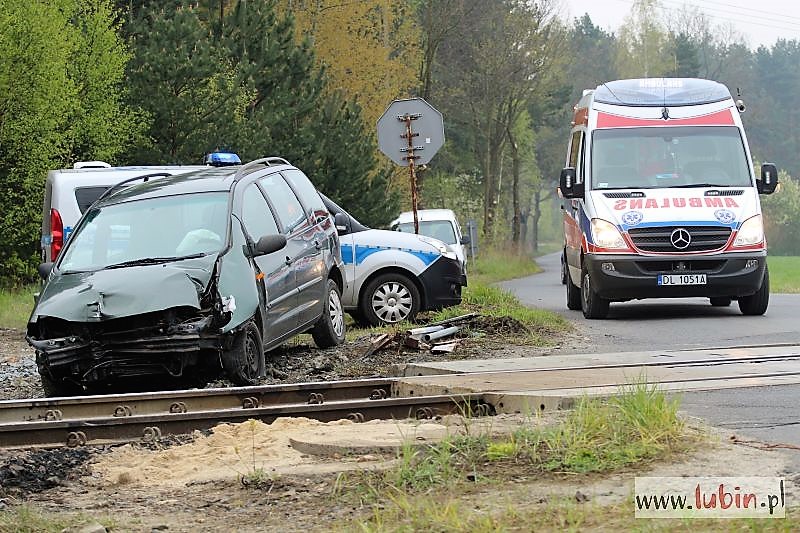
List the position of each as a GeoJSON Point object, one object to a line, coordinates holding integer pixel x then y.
{"type": "Point", "coordinates": [568, 184]}
{"type": "Point", "coordinates": [268, 244]}
{"type": "Point", "coordinates": [769, 179]}
{"type": "Point", "coordinates": [45, 269]}
{"type": "Point", "coordinates": [342, 222]}
{"type": "Point", "coordinates": [465, 240]}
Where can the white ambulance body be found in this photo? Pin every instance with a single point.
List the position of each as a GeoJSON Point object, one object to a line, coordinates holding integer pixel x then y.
{"type": "Point", "coordinates": [661, 199]}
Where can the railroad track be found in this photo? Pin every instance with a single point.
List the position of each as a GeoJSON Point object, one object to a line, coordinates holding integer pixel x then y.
{"type": "Point", "coordinates": [82, 420]}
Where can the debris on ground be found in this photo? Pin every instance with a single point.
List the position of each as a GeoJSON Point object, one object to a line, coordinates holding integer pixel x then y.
{"type": "Point", "coordinates": [445, 336]}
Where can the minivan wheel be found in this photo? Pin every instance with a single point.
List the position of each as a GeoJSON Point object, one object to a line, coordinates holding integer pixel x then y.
{"type": "Point", "coordinates": [756, 304]}
{"type": "Point", "coordinates": [329, 329]}
{"type": "Point", "coordinates": [564, 270]}
{"type": "Point", "coordinates": [58, 387]}
{"type": "Point", "coordinates": [720, 302]}
{"type": "Point", "coordinates": [593, 305]}
{"type": "Point", "coordinates": [244, 362]}
{"type": "Point", "coordinates": [389, 299]}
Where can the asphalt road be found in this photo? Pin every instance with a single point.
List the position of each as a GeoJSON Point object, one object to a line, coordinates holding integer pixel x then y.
{"type": "Point", "coordinates": [768, 414]}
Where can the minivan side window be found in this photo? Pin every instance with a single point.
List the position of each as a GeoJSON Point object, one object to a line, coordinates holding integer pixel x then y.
{"type": "Point", "coordinates": [256, 214]}
{"type": "Point", "coordinates": [287, 206]}
{"type": "Point", "coordinates": [307, 192]}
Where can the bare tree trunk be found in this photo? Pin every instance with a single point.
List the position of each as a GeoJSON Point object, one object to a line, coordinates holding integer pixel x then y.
{"type": "Point", "coordinates": [537, 213]}
{"type": "Point", "coordinates": [516, 219]}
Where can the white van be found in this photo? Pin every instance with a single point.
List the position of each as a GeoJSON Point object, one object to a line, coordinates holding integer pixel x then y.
{"type": "Point", "coordinates": [440, 224]}
{"type": "Point", "coordinates": [661, 198]}
{"type": "Point", "coordinates": [68, 194]}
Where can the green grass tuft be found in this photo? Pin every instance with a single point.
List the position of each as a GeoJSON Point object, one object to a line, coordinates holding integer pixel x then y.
{"type": "Point", "coordinates": [16, 306]}
{"type": "Point", "coordinates": [784, 274]}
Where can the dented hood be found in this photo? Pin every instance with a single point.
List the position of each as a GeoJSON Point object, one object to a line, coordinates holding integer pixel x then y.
{"type": "Point", "coordinates": [693, 206]}
{"type": "Point", "coordinates": [120, 292]}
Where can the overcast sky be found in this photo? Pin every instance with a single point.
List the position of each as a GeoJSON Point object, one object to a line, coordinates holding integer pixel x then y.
{"type": "Point", "coordinates": [761, 21]}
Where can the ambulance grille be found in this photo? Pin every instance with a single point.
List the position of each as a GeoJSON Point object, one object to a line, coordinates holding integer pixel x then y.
{"type": "Point", "coordinates": [704, 238]}
{"type": "Point", "coordinates": [737, 192]}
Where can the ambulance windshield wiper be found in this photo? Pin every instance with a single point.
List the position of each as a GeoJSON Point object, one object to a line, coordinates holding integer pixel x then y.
{"type": "Point", "coordinates": [152, 261]}
{"type": "Point", "coordinates": [696, 185]}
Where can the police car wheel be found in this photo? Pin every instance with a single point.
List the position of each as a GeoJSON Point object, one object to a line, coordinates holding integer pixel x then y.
{"type": "Point", "coordinates": [329, 329]}
{"type": "Point", "coordinates": [720, 302]}
{"type": "Point", "coordinates": [244, 362]}
{"type": "Point", "coordinates": [564, 273]}
{"type": "Point", "coordinates": [389, 299]}
{"type": "Point", "coordinates": [593, 306]}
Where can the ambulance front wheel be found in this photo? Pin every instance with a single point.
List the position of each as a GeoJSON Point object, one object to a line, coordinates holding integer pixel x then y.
{"type": "Point", "coordinates": [593, 305]}
{"type": "Point", "coordinates": [756, 304]}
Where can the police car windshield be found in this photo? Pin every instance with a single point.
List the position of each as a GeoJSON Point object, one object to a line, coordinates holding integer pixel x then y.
{"type": "Point", "coordinates": [438, 229]}
{"type": "Point", "coordinates": [658, 157]}
{"type": "Point", "coordinates": [136, 232]}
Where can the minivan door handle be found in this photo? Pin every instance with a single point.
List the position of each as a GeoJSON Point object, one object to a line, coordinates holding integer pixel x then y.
{"type": "Point", "coordinates": [289, 260]}
{"type": "Point", "coordinates": [317, 244]}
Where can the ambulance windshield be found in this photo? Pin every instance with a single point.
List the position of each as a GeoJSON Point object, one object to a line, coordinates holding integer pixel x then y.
{"type": "Point", "coordinates": [656, 157]}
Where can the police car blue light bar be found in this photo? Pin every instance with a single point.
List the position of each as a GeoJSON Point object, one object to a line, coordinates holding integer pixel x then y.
{"type": "Point", "coordinates": [222, 159]}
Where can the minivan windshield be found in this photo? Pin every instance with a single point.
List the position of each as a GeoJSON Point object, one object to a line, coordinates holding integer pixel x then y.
{"type": "Point", "coordinates": [438, 229]}
{"type": "Point", "coordinates": [148, 231]}
{"type": "Point", "coordinates": [657, 157]}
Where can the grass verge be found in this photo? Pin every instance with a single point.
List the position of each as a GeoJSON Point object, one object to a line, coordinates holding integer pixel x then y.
{"type": "Point", "coordinates": [420, 493]}
{"type": "Point", "coordinates": [494, 265]}
{"type": "Point", "coordinates": [784, 274]}
{"type": "Point", "coordinates": [16, 306]}
{"type": "Point", "coordinates": [24, 519]}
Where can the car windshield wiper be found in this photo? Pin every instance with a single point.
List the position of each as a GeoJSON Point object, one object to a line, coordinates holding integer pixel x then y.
{"type": "Point", "coordinates": [153, 260]}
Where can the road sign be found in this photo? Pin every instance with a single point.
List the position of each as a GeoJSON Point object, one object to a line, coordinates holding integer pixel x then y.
{"type": "Point", "coordinates": [427, 131]}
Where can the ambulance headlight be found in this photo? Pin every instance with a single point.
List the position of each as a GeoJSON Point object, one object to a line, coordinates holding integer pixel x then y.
{"type": "Point", "coordinates": [606, 235]}
{"type": "Point", "coordinates": [751, 232]}
{"type": "Point", "coordinates": [440, 246]}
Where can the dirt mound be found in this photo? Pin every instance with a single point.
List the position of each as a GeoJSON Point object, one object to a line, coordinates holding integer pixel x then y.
{"type": "Point", "coordinates": [498, 325]}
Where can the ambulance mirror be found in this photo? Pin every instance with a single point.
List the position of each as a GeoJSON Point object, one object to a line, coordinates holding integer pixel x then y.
{"type": "Point", "coordinates": [769, 179]}
{"type": "Point", "coordinates": [568, 184]}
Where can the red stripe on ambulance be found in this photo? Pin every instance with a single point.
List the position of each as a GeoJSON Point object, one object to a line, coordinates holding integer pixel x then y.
{"type": "Point", "coordinates": [720, 118]}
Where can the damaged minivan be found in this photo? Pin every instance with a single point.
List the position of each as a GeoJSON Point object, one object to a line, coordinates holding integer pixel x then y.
{"type": "Point", "coordinates": [178, 280]}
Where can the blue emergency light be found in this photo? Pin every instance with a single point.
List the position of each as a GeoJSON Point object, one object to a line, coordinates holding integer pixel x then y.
{"type": "Point", "coordinates": [222, 159]}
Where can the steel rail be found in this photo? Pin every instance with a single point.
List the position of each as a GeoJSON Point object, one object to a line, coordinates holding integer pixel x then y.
{"type": "Point", "coordinates": [151, 427]}
{"type": "Point", "coordinates": [82, 407]}
{"type": "Point", "coordinates": [181, 401]}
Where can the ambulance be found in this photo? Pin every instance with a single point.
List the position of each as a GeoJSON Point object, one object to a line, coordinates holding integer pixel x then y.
{"type": "Point", "coordinates": [661, 199]}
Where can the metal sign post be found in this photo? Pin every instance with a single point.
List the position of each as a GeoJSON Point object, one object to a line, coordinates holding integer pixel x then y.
{"type": "Point", "coordinates": [403, 123]}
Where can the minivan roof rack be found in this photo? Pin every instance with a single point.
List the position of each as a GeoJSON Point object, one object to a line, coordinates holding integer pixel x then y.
{"type": "Point", "coordinates": [266, 161]}
{"type": "Point", "coordinates": [117, 186]}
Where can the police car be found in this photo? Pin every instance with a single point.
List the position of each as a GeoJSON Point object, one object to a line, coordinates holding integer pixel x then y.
{"type": "Point", "coordinates": [392, 276]}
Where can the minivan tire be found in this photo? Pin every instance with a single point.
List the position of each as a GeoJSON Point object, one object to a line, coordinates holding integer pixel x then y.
{"type": "Point", "coordinates": [756, 304]}
{"type": "Point", "coordinates": [564, 269]}
{"type": "Point", "coordinates": [573, 295]}
{"type": "Point", "coordinates": [244, 361]}
{"type": "Point", "coordinates": [329, 329]}
{"type": "Point", "coordinates": [593, 305]}
{"type": "Point", "coordinates": [391, 285]}
{"type": "Point", "coordinates": [720, 302]}
{"type": "Point", "coordinates": [54, 388]}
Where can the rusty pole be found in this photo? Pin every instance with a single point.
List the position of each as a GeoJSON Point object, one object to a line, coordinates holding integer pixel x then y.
{"type": "Point", "coordinates": [410, 157]}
